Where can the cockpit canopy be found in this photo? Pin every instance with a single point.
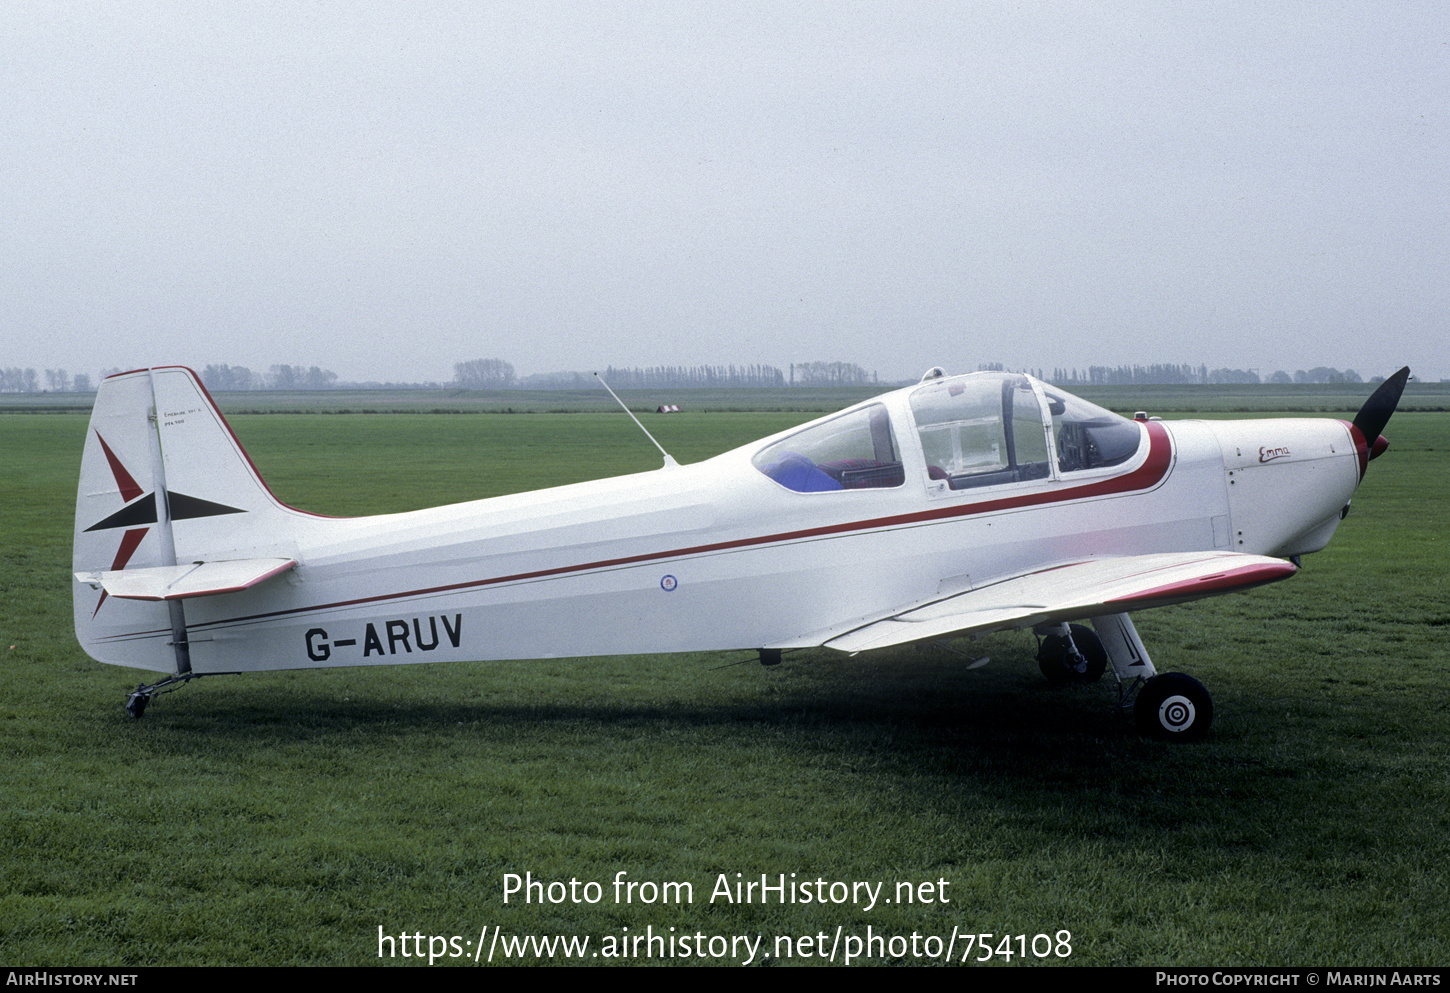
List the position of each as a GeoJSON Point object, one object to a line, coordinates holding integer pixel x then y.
{"type": "Point", "coordinates": [856, 450]}
{"type": "Point", "coordinates": [979, 430]}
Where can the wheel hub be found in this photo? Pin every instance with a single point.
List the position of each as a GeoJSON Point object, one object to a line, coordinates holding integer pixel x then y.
{"type": "Point", "coordinates": [1176, 713]}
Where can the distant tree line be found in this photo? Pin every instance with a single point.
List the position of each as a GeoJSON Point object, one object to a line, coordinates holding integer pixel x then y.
{"type": "Point", "coordinates": [1319, 374]}
{"type": "Point", "coordinates": [278, 377]}
{"type": "Point", "coordinates": [15, 380]}
{"type": "Point", "coordinates": [1145, 375]}
{"type": "Point", "coordinates": [495, 374]}
{"type": "Point", "coordinates": [829, 374]}
{"type": "Point", "coordinates": [483, 374]}
{"type": "Point", "coordinates": [678, 376]}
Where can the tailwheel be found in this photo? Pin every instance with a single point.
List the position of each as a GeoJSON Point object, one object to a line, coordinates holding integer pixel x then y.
{"type": "Point", "coordinates": [1173, 707]}
{"type": "Point", "coordinates": [1079, 659]}
{"type": "Point", "coordinates": [137, 700]}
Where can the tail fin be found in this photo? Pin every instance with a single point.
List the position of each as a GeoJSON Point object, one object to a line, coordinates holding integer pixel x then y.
{"type": "Point", "coordinates": [169, 507]}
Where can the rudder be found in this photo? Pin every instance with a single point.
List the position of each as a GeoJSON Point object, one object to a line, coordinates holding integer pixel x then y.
{"type": "Point", "coordinates": [164, 481]}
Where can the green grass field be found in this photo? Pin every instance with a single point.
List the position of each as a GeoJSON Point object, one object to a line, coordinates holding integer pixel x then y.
{"type": "Point", "coordinates": [284, 818]}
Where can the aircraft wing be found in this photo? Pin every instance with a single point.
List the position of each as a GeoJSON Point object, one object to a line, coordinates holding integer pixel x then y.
{"type": "Point", "coordinates": [177, 582]}
{"type": "Point", "coordinates": [1070, 591]}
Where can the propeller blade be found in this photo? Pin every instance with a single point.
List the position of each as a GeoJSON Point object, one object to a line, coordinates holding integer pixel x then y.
{"type": "Point", "coordinates": [1375, 413]}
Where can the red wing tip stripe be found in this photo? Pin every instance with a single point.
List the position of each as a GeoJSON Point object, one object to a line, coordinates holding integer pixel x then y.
{"type": "Point", "coordinates": [1231, 579]}
{"type": "Point", "coordinates": [1164, 567]}
{"type": "Point", "coordinates": [1168, 566]}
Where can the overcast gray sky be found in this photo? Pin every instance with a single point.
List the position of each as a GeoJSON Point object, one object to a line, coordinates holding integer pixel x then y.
{"type": "Point", "coordinates": [384, 189]}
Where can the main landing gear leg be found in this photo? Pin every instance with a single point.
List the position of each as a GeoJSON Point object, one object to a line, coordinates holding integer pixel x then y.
{"type": "Point", "coordinates": [1168, 706]}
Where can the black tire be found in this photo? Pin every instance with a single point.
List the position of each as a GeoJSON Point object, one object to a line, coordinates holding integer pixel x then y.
{"type": "Point", "coordinates": [1173, 707]}
{"type": "Point", "coordinates": [1052, 657]}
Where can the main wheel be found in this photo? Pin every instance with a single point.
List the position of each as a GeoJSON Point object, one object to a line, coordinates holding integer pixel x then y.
{"type": "Point", "coordinates": [1057, 665]}
{"type": "Point", "coordinates": [1173, 707]}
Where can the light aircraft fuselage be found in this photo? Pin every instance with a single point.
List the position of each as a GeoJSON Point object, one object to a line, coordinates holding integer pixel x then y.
{"type": "Point", "coordinates": [959, 505]}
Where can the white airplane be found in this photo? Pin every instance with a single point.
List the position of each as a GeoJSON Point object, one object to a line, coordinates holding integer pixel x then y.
{"type": "Point", "coordinates": [959, 506]}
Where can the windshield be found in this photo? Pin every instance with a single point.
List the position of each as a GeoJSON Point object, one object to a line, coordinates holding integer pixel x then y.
{"type": "Point", "coordinates": [1087, 436]}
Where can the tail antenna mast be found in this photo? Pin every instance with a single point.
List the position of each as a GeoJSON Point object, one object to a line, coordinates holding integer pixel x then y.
{"type": "Point", "coordinates": [670, 463]}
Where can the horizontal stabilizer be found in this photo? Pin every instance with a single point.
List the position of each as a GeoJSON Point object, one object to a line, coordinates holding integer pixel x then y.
{"type": "Point", "coordinates": [177, 582]}
{"type": "Point", "coordinates": [1071, 591]}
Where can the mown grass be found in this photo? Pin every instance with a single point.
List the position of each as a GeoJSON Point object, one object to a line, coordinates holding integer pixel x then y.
{"type": "Point", "coordinates": [282, 818]}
